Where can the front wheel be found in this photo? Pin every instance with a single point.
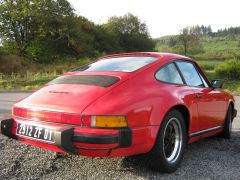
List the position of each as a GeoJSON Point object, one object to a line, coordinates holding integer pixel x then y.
{"type": "Point", "coordinates": [227, 129]}
{"type": "Point", "coordinates": [170, 144]}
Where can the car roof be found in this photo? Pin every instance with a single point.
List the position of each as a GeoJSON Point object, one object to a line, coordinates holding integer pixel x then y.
{"type": "Point", "coordinates": [166, 56]}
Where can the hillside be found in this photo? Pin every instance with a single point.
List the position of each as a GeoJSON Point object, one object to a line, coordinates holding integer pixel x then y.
{"type": "Point", "coordinates": [213, 48]}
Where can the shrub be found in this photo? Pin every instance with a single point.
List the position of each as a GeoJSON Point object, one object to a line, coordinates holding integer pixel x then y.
{"type": "Point", "coordinates": [10, 64]}
{"type": "Point", "coordinates": [229, 69]}
{"type": "Point", "coordinates": [208, 65]}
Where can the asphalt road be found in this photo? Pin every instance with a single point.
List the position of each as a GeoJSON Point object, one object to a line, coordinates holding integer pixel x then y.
{"type": "Point", "coordinates": [211, 158]}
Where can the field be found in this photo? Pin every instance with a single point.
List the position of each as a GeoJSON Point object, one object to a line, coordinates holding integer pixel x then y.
{"type": "Point", "coordinates": [213, 48]}
{"type": "Point", "coordinates": [218, 48]}
{"type": "Point", "coordinates": [37, 75]}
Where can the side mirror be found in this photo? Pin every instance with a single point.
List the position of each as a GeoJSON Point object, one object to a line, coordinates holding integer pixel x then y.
{"type": "Point", "coordinates": [217, 83]}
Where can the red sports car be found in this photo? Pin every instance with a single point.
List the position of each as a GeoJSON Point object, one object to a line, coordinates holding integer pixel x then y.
{"type": "Point", "coordinates": [125, 104]}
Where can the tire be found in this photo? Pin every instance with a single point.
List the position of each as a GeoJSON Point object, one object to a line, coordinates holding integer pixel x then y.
{"type": "Point", "coordinates": [227, 129]}
{"type": "Point", "coordinates": [165, 158]}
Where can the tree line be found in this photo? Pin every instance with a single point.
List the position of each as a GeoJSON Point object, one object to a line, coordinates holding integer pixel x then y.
{"type": "Point", "coordinates": [228, 31]}
{"type": "Point", "coordinates": [207, 30]}
{"type": "Point", "coordinates": [42, 31]}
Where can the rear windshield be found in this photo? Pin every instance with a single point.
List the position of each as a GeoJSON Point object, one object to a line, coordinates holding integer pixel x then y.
{"type": "Point", "coordinates": [123, 64]}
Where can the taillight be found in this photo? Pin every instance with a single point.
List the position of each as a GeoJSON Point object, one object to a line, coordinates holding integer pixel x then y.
{"type": "Point", "coordinates": [21, 112]}
{"type": "Point", "coordinates": [47, 116]}
{"type": "Point", "coordinates": [104, 121]}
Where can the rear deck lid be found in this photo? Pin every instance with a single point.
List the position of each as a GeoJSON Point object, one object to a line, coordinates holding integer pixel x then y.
{"type": "Point", "coordinates": [70, 93]}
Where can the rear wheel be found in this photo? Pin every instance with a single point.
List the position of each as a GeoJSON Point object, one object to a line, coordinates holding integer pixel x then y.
{"type": "Point", "coordinates": [227, 130]}
{"type": "Point", "coordinates": [168, 150]}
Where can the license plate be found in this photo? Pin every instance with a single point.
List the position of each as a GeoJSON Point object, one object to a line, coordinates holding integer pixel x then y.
{"type": "Point", "coordinates": [36, 132]}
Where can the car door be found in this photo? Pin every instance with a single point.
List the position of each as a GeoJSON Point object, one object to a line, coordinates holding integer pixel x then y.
{"type": "Point", "coordinates": [179, 91]}
{"type": "Point", "coordinates": [210, 102]}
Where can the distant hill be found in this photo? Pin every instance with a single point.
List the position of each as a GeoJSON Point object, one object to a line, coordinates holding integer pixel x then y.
{"type": "Point", "coordinates": [221, 45]}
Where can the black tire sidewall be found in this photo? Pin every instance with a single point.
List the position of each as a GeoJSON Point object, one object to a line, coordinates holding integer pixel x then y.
{"type": "Point", "coordinates": [158, 159]}
{"type": "Point", "coordinates": [226, 132]}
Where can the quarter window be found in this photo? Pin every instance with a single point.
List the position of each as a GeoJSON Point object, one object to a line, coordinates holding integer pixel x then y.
{"type": "Point", "coordinates": [190, 74]}
{"type": "Point", "coordinates": [169, 73]}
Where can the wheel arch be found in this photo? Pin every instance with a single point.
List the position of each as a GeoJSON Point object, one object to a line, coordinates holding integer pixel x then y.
{"type": "Point", "coordinates": [185, 112]}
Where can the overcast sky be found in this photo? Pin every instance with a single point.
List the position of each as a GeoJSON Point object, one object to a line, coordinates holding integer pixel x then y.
{"type": "Point", "coordinates": [164, 17]}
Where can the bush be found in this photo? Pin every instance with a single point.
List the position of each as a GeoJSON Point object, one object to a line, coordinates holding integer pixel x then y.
{"type": "Point", "coordinates": [229, 69]}
{"type": "Point", "coordinates": [209, 65]}
{"type": "Point", "coordinates": [10, 64]}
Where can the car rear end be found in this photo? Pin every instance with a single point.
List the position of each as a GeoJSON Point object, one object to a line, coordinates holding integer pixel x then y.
{"type": "Point", "coordinates": [65, 138]}
{"type": "Point", "coordinates": [53, 117]}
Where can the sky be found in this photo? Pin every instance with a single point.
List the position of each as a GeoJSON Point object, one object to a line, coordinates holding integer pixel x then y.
{"type": "Point", "coordinates": [164, 17]}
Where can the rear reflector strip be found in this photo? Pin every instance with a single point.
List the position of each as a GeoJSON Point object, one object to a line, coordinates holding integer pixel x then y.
{"type": "Point", "coordinates": [47, 116]}
{"type": "Point", "coordinates": [94, 80]}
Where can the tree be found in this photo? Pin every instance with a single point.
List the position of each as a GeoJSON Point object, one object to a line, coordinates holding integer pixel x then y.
{"type": "Point", "coordinates": [172, 42]}
{"type": "Point", "coordinates": [22, 21]}
{"type": "Point", "coordinates": [106, 41]}
{"type": "Point", "coordinates": [187, 37]}
{"type": "Point", "coordinates": [131, 33]}
{"type": "Point", "coordinates": [74, 37]}
{"type": "Point", "coordinates": [209, 30]}
{"type": "Point", "coordinates": [228, 31]}
{"type": "Point", "coordinates": [79, 34]}
{"type": "Point", "coordinates": [44, 30]}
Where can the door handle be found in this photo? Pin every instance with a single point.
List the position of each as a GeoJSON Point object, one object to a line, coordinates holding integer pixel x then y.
{"type": "Point", "coordinates": [198, 95]}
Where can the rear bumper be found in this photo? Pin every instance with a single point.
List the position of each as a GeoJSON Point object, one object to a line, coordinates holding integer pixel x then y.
{"type": "Point", "coordinates": [6, 126]}
{"type": "Point", "coordinates": [66, 138]}
{"type": "Point", "coordinates": [86, 141]}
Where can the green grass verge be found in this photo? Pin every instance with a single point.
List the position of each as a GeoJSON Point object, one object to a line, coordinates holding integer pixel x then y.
{"type": "Point", "coordinates": [37, 75]}
{"type": "Point", "coordinates": [209, 65]}
{"type": "Point", "coordinates": [32, 81]}
{"type": "Point", "coordinates": [231, 86]}
{"type": "Point", "coordinates": [28, 81]}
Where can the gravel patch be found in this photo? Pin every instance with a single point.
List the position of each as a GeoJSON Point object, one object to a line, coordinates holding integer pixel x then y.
{"type": "Point", "coordinates": [211, 158]}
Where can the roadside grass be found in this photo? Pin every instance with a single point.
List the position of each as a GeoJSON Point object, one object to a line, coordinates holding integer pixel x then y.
{"type": "Point", "coordinates": [208, 65]}
{"type": "Point", "coordinates": [38, 75]}
{"type": "Point", "coordinates": [28, 81]}
{"type": "Point", "coordinates": [231, 86]}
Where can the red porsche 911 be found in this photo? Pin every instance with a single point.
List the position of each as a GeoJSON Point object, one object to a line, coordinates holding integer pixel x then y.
{"type": "Point", "coordinates": [125, 104]}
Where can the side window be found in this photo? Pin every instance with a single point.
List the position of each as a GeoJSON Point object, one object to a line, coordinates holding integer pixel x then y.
{"type": "Point", "coordinates": [169, 73]}
{"type": "Point", "coordinates": [190, 73]}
